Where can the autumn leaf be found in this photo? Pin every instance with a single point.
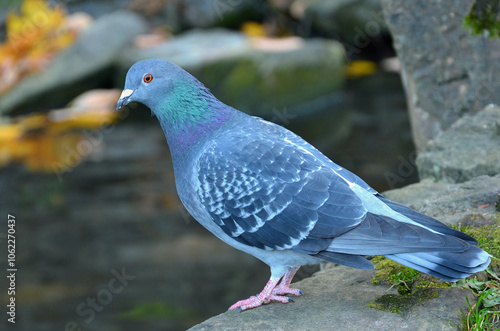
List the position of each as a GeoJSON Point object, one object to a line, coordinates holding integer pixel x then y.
{"type": "Point", "coordinates": [253, 29]}
{"type": "Point", "coordinates": [33, 38]}
{"type": "Point", "coordinates": [361, 68]}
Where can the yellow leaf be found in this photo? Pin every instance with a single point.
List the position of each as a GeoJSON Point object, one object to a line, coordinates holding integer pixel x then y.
{"type": "Point", "coordinates": [30, 8]}
{"type": "Point", "coordinates": [9, 132]}
{"type": "Point", "coordinates": [253, 29]}
{"type": "Point", "coordinates": [33, 37]}
{"type": "Point", "coordinates": [361, 68]}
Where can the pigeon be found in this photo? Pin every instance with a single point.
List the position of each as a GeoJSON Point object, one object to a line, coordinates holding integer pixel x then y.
{"type": "Point", "coordinates": [266, 191]}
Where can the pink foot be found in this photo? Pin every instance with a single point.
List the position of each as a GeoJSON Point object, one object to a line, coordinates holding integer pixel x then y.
{"type": "Point", "coordinates": [284, 286]}
{"type": "Point", "coordinates": [257, 301]}
{"type": "Point", "coordinates": [284, 289]}
{"type": "Point", "coordinates": [271, 293]}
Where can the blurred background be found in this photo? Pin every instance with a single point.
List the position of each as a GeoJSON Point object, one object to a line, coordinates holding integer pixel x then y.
{"type": "Point", "coordinates": [102, 240]}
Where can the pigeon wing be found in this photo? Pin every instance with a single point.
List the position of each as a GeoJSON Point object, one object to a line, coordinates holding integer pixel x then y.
{"type": "Point", "coordinates": [271, 193]}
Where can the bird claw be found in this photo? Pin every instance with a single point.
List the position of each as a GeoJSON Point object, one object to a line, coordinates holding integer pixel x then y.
{"type": "Point", "coordinates": [281, 290]}
{"type": "Point", "coordinates": [256, 301]}
{"type": "Point", "coordinates": [271, 292]}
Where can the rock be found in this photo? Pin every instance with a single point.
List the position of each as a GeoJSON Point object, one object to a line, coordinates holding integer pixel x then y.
{"type": "Point", "coordinates": [353, 21]}
{"type": "Point", "coordinates": [450, 203]}
{"type": "Point", "coordinates": [447, 71]}
{"type": "Point", "coordinates": [468, 149]}
{"type": "Point", "coordinates": [180, 15]}
{"type": "Point", "coordinates": [338, 298]}
{"type": "Point", "coordinates": [258, 75]}
{"type": "Point", "coordinates": [484, 15]}
{"type": "Point", "coordinates": [208, 13]}
{"type": "Point", "coordinates": [95, 8]}
{"type": "Point", "coordinates": [82, 66]}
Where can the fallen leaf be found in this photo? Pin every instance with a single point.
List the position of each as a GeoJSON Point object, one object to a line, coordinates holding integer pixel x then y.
{"type": "Point", "coordinates": [33, 38]}
{"type": "Point", "coordinates": [361, 68]}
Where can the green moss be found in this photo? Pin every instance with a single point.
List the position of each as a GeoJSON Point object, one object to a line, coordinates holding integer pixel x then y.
{"type": "Point", "coordinates": [390, 302]}
{"type": "Point", "coordinates": [484, 16]}
{"type": "Point", "coordinates": [429, 282]}
{"type": "Point", "coordinates": [395, 274]}
{"type": "Point", "coordinates": [402, 304]}
{"type": "Point", "coordinates": [485, 311]}
{"type": "Point", "coordinates": [488, 237]}
{"type": "Point", "coordinates": [414, 288]}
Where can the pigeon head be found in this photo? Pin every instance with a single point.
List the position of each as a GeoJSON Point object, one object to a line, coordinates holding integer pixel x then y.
{"type": "Point", "coordinates": [185, 108]}
{"type": "Point", "coordinates": [153, 83]}
{"type": "Point", "coordinates": [170, 92]}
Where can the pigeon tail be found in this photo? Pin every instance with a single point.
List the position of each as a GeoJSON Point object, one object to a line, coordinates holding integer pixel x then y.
{"type": "Point", "coordinates": [449, 266]}
{"type": "Point", "coordinates": [426, 221]}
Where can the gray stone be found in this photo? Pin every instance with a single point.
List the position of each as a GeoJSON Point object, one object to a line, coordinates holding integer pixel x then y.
{"type": "Point", "coordinates": [337, 299]}
{"type": "Point", "coordinates": [353, 21]}
{"type": "Point", "coordinates": [470, 148]}
{"type": "Point", "coordinates": [208, 13]}
{"type": "Point", "coordinates": [181, 15]}
{"type": "Point", "coordinates": [84, 65]}
{"type": "Point", "coordinates": [261, 76]}
{"type": "Point", "coordinates": [450, 203]}
{"type": "Point", "coordinates": [447, 71]}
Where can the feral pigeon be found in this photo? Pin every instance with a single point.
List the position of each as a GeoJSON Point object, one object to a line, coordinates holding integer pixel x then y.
{"type": "Point", "coordinates": [266, 191]}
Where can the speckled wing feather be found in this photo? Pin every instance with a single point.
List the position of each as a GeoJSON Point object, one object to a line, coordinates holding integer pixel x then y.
{"type": "Point", "coordinates": [273, 193]}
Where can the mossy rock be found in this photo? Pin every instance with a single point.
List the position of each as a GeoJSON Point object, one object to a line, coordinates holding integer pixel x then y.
{"type": "Point", "coordinates": [414, 288]}
{"type": "Point", "coordinates": [265, 82]}
{"type": "Point", "coordinates": [484, 16]}
{"type": "Point", "coordinates": [486, 230]}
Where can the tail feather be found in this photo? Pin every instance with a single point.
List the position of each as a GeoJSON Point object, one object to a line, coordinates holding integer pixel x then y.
{"type": "Point", "coordinates": [381, 235]}
{"type": "Point", "coordinates": [426, 220]}
{"type": "Point", "coordinates": [448, 266]}
{"type": "Point", "coordinates": [415, 240]}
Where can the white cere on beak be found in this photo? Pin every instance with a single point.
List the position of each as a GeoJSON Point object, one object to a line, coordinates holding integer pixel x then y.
{"type": "Point", "coordinates": [126, 93]}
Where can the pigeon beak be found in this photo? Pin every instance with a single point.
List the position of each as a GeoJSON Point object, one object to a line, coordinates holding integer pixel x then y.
{"type": "Point", "coordinates": [124, 99]}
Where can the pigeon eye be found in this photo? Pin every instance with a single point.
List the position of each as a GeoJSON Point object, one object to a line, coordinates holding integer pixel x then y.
{"type": "Point", "coordinates": [148, 78]}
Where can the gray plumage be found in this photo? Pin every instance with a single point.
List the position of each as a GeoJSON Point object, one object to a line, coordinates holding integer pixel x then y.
{"type": "Point", "coordinates": [264, 190]}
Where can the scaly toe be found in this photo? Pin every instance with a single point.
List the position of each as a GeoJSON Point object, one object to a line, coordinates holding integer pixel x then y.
{"type": "Point", "coordinates": [287, 290]}
{"type": "Point", "coordinates": [254, 302]}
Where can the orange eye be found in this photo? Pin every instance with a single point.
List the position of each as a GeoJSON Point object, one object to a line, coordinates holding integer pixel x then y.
{"type": "Point", "coordinates": [148, 78]}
